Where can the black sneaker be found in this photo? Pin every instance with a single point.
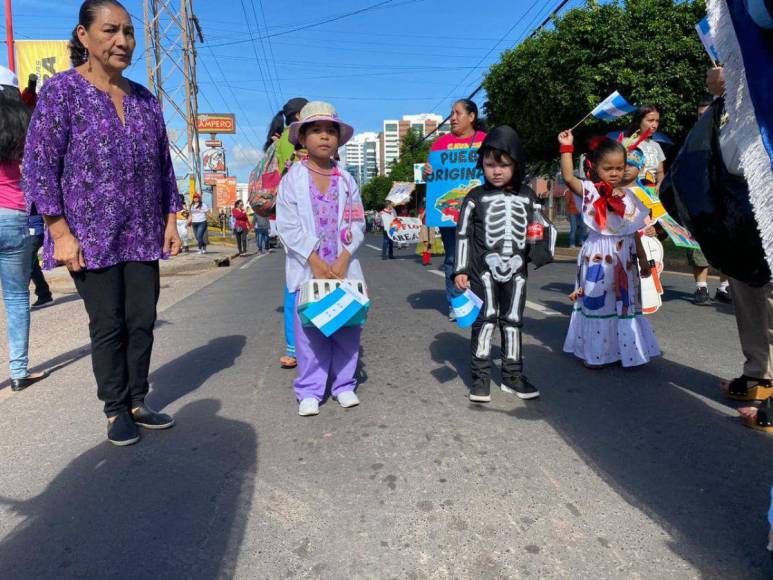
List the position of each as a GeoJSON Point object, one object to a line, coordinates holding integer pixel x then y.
{"type": "Point", "coordinates": [702, 297]}
{"type": "Point", "coordinates": [122, 431]}
{"type": "Point", "coordinates": [521, 388]}
{"type": "Point", "coordinates": [723, 296]}
{"type": "Point", "coordinates": [480, 394]}
{"type": "Point", "coordinates": [42, 302]}
{"type": "Point", "coordinates": [146, 417]}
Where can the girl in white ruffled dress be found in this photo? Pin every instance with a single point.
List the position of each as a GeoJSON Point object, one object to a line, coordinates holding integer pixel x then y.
{"type": "Point", "coordinates": [607, 325]}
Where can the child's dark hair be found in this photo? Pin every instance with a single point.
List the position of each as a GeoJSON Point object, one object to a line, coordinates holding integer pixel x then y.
{"type": "Point", "coordinates": [471, 108]}
{"type": "Point", "coordinates": [14, 120]}
{"type": "Point", "coordinates": [283, 118]}
{"type": "Point", "coordinates": [86, 17]}
{"type": "Point", "coordinates": [306, 126]}
{"type": "Point", "coordinates": [642, 112]}
{"type": "Point", "coordinates": [600, 147]}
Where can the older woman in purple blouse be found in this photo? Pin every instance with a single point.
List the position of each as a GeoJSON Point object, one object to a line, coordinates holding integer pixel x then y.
{"type": "Point", "coordinates": [98, 168]}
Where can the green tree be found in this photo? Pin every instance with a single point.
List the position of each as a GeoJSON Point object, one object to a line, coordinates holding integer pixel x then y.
{"type": "Point", "coordinates": [375, 191]}
{"type": "Point", "coordinates": [410, 152]}
{"type": "Point", "coordinates": [646, 49]}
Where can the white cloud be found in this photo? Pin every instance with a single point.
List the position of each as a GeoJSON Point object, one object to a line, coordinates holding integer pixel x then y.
{"type": "Point", "coordinates": [240, 157]}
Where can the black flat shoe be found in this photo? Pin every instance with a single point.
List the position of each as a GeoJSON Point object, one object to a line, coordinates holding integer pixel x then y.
{"type": "Point", "coordinates": [122, 431]}
{"type": "Point", "coordinates": [21, 384]}
{"type": "Point", "coordinates": [146, 417]}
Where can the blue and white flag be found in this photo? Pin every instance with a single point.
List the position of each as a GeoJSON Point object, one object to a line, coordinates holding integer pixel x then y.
{"type": "Point", "coordinates": [612, 107]}
{"type": "Point", "coordinates": [336, 309]}
{"type": "Point", "coordinates": [466, 308]}
{"type": "Point", "coordinates": [704, 32]}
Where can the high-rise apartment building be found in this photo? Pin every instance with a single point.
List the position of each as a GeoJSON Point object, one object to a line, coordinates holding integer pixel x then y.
{"type": "Point", "coordinates": [394, 131]}
{"type": "Point", "coordinates": [362, 157]}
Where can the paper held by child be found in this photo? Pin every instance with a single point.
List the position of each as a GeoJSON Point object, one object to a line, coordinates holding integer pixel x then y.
{"type": "Point", "coordinates": [466, 308]}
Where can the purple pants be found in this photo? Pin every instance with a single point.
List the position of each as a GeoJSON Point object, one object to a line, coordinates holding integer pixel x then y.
{"type": "Point", "coordinates": [320, 357]}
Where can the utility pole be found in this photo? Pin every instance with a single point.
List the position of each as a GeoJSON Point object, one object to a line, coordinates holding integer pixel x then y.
{"type": "Point", "coordinates": [9, 35]}
{"type": "Point", "coordinates": [171, 32]}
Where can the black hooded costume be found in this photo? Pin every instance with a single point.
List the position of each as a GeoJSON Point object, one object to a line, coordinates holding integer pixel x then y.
{"type": "Point", "coordinates": [492, 250]}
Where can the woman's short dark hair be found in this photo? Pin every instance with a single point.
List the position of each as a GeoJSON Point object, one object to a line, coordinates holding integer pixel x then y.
{"type": "Point", "coordinates": [238, 202]}
{"type": "Point", "coordinates": [642, 112]}
{"type": "Point", "coordinates": [14, 120]}
{"type": "Point", "coordinates": [471, 108]}
{"type": "Point", "coordinates": [86, 17]}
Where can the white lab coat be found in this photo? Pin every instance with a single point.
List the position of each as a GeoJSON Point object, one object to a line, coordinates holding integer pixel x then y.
{"type": "Point", "coordinates": [297, 229]}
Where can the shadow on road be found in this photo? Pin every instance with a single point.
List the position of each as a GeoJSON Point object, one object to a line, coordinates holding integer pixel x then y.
{"type": "Point", "coordinates": [434, 299]}
{"type": "Point", "coordinates": [174, 506]}
{"type": "Point", "coordinates": [695, 470]}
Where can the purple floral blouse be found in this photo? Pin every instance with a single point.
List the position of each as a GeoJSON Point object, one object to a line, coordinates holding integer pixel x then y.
{"type": "Point", "coordinates": [113, 183]}
{"type": "Point", "coordinates": [325, 206]}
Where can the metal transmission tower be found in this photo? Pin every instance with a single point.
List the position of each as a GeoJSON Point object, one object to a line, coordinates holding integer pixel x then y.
{"type": "Point", "coordinates": [171, 31]}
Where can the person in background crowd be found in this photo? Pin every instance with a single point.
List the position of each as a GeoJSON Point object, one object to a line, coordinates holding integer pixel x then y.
{"type": "Point", "coordinates": [387, 245]}
{"type": "Point", "coordinates": [647, 118]}
{"type": "Point", "coordinates": [313, 200]}
{"type": "Point", "coordinates": [222, 220]}
{"type": "Point", "coordinates": [466, 132]}
{"type": "Point", "coordinates": [241, 226]}
{"type": "Point", "coordinates": [15, 244]}
{"type": "Point", "coordinates": [182, 225]}
{"type": "Point", "coordinates": [29, 95]}
{"type": "Point", "coordinates": [698, 262]}
{"type": "Point", "coordinates": [198, 220]}
{"type": "Point", "coordinates": [37, 235]}
{"type": "Point", "coordinates": [261, 225]}
{"type": "Point", "coordinates": [576, 223]}
{"type": "Point", "coordinates": [97, 166]}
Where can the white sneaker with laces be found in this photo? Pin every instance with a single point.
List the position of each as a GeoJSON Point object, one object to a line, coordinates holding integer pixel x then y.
{"type": "Point", "coordinates": [308, 407]}
{"type": "Point", "coordinates": [348, 399]}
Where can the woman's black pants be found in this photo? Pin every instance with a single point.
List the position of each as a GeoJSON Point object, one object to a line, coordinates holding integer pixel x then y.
{"type": "Point", "coordinates": [121, 303]}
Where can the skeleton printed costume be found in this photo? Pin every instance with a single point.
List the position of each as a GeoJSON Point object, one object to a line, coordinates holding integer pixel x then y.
{"type": "Point", "coordinates": [492, 250]}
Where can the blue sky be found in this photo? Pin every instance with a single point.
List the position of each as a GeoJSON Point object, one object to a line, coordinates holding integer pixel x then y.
{"type": "Point", "coordinates": [404, 57]}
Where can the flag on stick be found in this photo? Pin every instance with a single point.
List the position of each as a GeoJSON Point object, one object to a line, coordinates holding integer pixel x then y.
{"type": "Point", "coordinates": [466, 308]}
{"type": "Point", "coordinates": [704, 32]}
{"type": "Point", "coordinates": [613, 107]}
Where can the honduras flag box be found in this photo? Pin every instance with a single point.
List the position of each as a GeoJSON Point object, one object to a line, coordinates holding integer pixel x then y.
{"type": "Point", "coordinates": [612, 107]}
{"type": "Point", "coordinates": [466, 308]}
{"type": "Point", "coordinates": [704, 32]}
{"type": "Point", "coordinates": [337, 309]}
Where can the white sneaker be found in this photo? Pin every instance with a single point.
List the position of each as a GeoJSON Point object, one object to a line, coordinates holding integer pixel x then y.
{"type": "Point", "coordinates": [308, 407]}
{"type": "Point", "coordinates": [348, 399]}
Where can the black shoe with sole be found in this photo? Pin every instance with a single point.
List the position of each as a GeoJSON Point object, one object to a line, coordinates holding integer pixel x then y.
{"type": "Point", "coordinates": [122, 431]}
{"type": "Point", "coordinates": [146, 417]}
{"type": "Point", "coordinates": [701, 297]}
{"type": "Point", "coordinates": [521, 388]}
{"type": "Point", "coordinates": [21, 384]}
{"type": "Point", "coordinates": [723, 296]}
{"type": "Point", "coordinates": [42, 302]}
{"type": "Point", "coordinates": [480, 394]}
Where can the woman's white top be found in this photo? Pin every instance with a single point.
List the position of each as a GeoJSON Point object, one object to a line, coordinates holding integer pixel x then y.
{"type": "Point", "coordinates": [199, 215]}
{"type": "Point", "coordinates": [653, 157]}
{"type": "Point", "coordinates": [297, 228]}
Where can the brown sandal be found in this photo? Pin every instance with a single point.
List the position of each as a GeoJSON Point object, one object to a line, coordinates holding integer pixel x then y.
{"type": "Point", "coordinates": [288, 362]}
{"type": "Point", "coordinates": [740, 390]}
{"type": "Point", "coordinates": [762, 420]}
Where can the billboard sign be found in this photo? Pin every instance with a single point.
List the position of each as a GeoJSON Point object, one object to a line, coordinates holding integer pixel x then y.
{"type": "Point", "coordinates": [216, 123]}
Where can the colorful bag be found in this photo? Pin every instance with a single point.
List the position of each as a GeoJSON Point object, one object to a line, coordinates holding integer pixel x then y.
{"type": "Point", "coordinates": [264, 182]}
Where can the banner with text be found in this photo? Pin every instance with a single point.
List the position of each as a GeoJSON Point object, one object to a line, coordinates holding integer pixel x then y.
{"type": "Point", "coordinates": [405, 230]}
{"type": "Point", "coordinates": [454, 173]}
{"type": "Point", "coordinates": [43, 58]}
{"type": "Point", "coordinates": [401, 192]}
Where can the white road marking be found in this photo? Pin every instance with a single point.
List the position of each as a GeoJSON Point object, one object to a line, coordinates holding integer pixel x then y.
{"type": "Point", "coordinates": [544, 310]}
{"type": "Point", "coordinates": [372, 247]}
{"type": "Point", "coordinates": [251, 262]}
{"type": "Point", "coordinates": [719, 407]}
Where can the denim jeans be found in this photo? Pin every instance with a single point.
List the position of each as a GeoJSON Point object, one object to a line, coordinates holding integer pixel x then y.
{"type": "Point", "coordinates": [387, 247]}
{"type": "Point", "coordinates": [448, 235]}
{"type": "Point", "coordinates": [15, 263]}
{"type": "Point", "coordinates": [261, 239]}
{"type": "Point", "coordinates": [200, 231]}
{"type": "Point", "coordinates": [42, 289]}
{"type": "Point", "coordinates": [576, 229]}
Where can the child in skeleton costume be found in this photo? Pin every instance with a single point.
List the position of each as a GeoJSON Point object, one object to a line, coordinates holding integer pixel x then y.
{"type": "Point", "coordinates": [607, 325]}
{"type": "Point", "coordinates": [491, 257]}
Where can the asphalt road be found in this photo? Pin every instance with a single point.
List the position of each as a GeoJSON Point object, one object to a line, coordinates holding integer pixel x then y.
{"type": "Point", "coordinates": [643, 473]}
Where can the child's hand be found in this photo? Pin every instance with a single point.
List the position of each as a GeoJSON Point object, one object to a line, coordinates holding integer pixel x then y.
{"type": "Point", "coordinates": [462, 282]}
{"type": "Point", "coordinates": [566, 137]}
{"type": "Point", "coordinates": [618, 193]}
{"type": "Point", "coordinates": [341, 266]}
{"type": "Point", "coordinates": [319, 268]}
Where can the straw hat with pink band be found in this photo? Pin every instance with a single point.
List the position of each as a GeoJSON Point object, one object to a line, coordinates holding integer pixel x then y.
{"type": "Point", "coordinates": [320, 111]}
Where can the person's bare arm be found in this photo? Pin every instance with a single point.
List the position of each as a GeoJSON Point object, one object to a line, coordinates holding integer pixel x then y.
{"type": "Point", "coordinates": [67, 249]}
{"type": "Point", "coordinates": [567, 164]}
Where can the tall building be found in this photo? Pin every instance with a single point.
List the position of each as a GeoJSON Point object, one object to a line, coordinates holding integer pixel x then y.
{"type": "Point", "coordinates": [362, 157]}
{"type": "Point", "coordinates": [394, 131]}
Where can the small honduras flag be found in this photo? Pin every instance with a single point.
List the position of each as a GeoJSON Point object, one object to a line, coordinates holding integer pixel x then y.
{"type": "Point", "coordinates": [704, 31]}
{"type": "Point", "coordinates": [612, 107]}
{"type": "Point", "coordinates": [466, 308]}
{"type": "Point", "coordinates": [336, 309]}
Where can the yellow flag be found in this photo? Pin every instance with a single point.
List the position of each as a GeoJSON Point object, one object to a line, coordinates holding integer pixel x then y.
{"type": "Point", "coordinates": [44, 58]}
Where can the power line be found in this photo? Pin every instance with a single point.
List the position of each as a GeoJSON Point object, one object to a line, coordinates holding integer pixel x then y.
{"type": "Point", "coordinates": [272, 106]}
{"type": "Point", "coordinates": [270, 45]}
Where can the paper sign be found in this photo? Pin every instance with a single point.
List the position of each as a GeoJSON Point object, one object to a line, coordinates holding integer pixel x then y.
{"type": "Point", "coordinates": [401, 192]}
{"type": "Point", "coordinates": [418, 173]}
{"type": "Point", "coordinates": [406, 230]}
{"type": "Point", "coordinates": [454, 174]}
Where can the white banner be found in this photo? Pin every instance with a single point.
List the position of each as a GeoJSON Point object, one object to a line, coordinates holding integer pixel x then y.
{"type": "Point", "coordinates": [401, 192]}
{"type": "Point", "coordinates": [405, 230]}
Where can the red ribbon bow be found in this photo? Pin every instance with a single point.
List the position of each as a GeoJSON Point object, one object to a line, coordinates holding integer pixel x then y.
{"type": "Point", "coordinates": [607, 201]}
